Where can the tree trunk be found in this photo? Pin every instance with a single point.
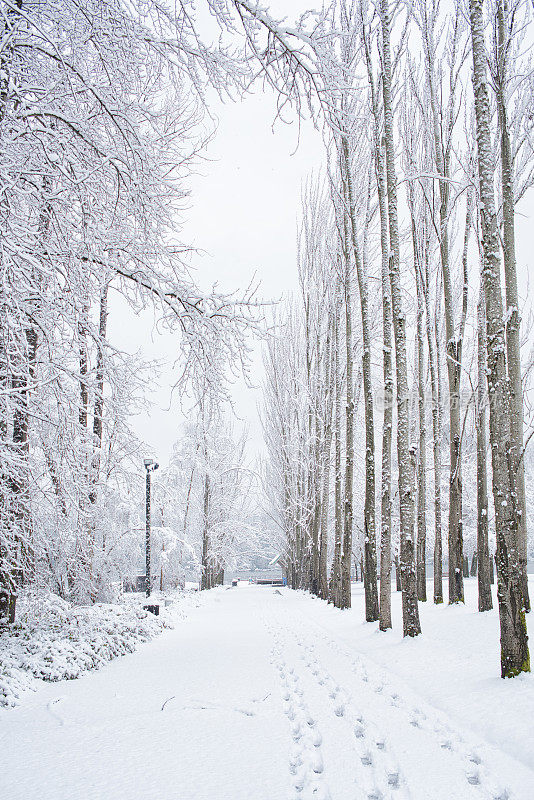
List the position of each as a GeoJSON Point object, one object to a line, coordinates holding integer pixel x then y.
{"type": "Point", "coordinates": [454, 340]}
{"type": "Point", "coordinates": [513, 320]}
{"type": "Point", "coordinates": [326, 455]}
{"type": "Point", "coordinates": [398, 576]}
{"type": "Point", "coordinates": [410, 611]}
{"type": "Point", "coordinates": [349, 434]}
{"type": "Point", "coordinates": [87, 548]}
{"type": "Point", "coordinates": [485, 602]}
{"type": "Point", "coordinates": [474, 565]}
{"type": "Point", "coordinates": [421, 460]}
{"type": "Point", "coordinates": [387, 347]}
{"type": "Point", "coordinates": [433, 362]}
{"type": "Point", "coordinates": [20, 475]}
{"type": "Point", "coordinates": [335, 576]}
{"type": "Point", "coordinates": [206, 555]}
{"type": "Point", "coordinates": [369, 537]}
{"type": "Point", "coordinates": [387, 423]}
{"type": "Point", "coordinates": [514, 640]}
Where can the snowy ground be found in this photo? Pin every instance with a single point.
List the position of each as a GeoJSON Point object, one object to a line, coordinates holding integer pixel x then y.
{"type": "Point", "coordinates": [263, 694]}
{"type": "Point", "coordinates": [54, 640]}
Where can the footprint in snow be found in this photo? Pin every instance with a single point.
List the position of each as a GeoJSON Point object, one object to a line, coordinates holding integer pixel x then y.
{"type": "Point", "coordinates": [54, 713]}
{"type": "Point", "coordinates": [359, 730]}
{"type": "Point", "coordinates": [316, 739]}
{"type": "Point", "coordinates": [394, 780]}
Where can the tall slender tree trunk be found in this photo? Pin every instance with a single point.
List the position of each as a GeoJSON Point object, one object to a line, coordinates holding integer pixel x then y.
{"type": "Point", "coordinates": [485, 602]}
{"type": "Point", "coordinates": [20, 476]}
{"type": "Point", "coordinates": [433, 363]}
{"type": "Point", "coordinates": [513, 320]}
{"type": "Point", "coordinates": [387, 424]}
{"type": "Point", "coordinates": [456, 584]}
{"type": "Point", "coordinates": [421, 460]}
{"type": "Point", "coordinates": [387, 347]}
{"type": "Point", "coordinates": [326, 456]}
{"type": "Point", "coordinates": [206, 582]}
{"type": "Point", "coordinates": [454, 339]}
{"type": "Point", "coordinates": [12, 480]}
{"type": "Point", "coordinates": [369, 527]}
{"type": "Point", "coordinates": [84, 583]}
{"type": "Point", "coordinates": [98, 410]}
{"type": "Point", "coordinates": [349, 432]}
{"type": "Point", "coordinates": [410, 611]}
{"type": "Point", "coordinates": [335, 577]}
{"type": "Point", "coordinates": [313, 480]}
{"type": "Point", "coordinates": [515, 656]}
{"type": "Point", "coordinates": [85, 466]}
{"type": "Point", "coordinates": [23, 382]}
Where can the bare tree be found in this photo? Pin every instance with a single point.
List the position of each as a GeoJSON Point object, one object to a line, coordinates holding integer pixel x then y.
{"type": "Point", "coordinates": [507, 14]}
{"type": "Point", "coordinates": [411, 625]}
{"type": "Point", "coordinates": [514, 648]}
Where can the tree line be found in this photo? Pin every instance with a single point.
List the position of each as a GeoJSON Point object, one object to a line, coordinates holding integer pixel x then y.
{"type": "Point", "coordinates": [407, 326]}
{"type": "Point", "coordinates": [102, 115]}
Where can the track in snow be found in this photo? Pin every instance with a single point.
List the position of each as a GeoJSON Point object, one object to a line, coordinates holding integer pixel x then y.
{"type": "Point", "coordinates": [367, 716]}
{"type": "Point", "coordinates": [250, 697]}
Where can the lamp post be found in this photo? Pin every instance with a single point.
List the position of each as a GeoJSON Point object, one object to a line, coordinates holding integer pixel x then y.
{"type": "Point", "coordinates": [150, 466]}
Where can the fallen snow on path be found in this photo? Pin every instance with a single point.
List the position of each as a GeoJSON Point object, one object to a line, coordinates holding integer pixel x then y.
{"type": "Point", "coordinates": [265, 694]}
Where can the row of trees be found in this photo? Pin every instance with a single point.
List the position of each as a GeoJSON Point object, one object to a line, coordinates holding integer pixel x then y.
{"type": "Point", "coordinates": [402, 247]}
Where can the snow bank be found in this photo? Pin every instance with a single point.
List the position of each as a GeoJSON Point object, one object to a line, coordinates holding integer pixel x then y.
{"type": "Point", "coordinates": [53, 640]}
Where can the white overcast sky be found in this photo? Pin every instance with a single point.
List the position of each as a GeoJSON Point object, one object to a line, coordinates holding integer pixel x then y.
{"type": "Point", "coordinates": [243, 212]}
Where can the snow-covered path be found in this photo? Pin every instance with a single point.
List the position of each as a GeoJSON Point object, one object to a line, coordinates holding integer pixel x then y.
{"type": "Point", "coordinates": [252, 697]}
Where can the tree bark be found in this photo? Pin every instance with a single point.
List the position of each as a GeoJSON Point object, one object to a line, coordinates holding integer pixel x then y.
{"type": "Point", "coordinates": [349, 432]}
{"type": "Point", "coordinates": [411, 625]}
{"type": "Point", "coordinates": [387, 348]}
{"type": "Point", "coordinates": [369, 528]}
{"type": "Point", "coordinates": [433, 362]}
{"type": "Point", "coordinates": [206, 582]}
{"type": "Point", "coordinates": [485, 602]}
{"type": "Point", "coordinates": [454, 339]}
{"type": "Point", "coordinates": [335, 576]}
{"type": "Point", "coordinates": [421, 460]}
{"type": "Point", "coordinates": [513, 320]}
{"type": "Point", "coordinates": [387, 423]}
{"type": "Point", "coordinates": [327, 448]}
{"type": "Point", "coordinates": [514, 640]}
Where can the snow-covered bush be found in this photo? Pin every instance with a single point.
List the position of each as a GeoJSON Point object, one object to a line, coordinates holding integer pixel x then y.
{"type": "Point", "coordinates": [54, 640]}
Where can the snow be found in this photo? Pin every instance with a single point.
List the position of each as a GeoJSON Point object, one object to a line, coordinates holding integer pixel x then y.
{"type": "Point", "coordinates": [54, 640]}
{"type": "Point", "coordinates": [268, 693]}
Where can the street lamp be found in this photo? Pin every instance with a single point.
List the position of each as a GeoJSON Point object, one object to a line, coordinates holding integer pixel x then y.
{"type": "Point", "coordinates": [150, 466]}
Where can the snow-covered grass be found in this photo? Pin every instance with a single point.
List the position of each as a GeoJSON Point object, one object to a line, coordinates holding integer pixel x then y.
{"type": "Point", "coordinates": [53, 640]}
